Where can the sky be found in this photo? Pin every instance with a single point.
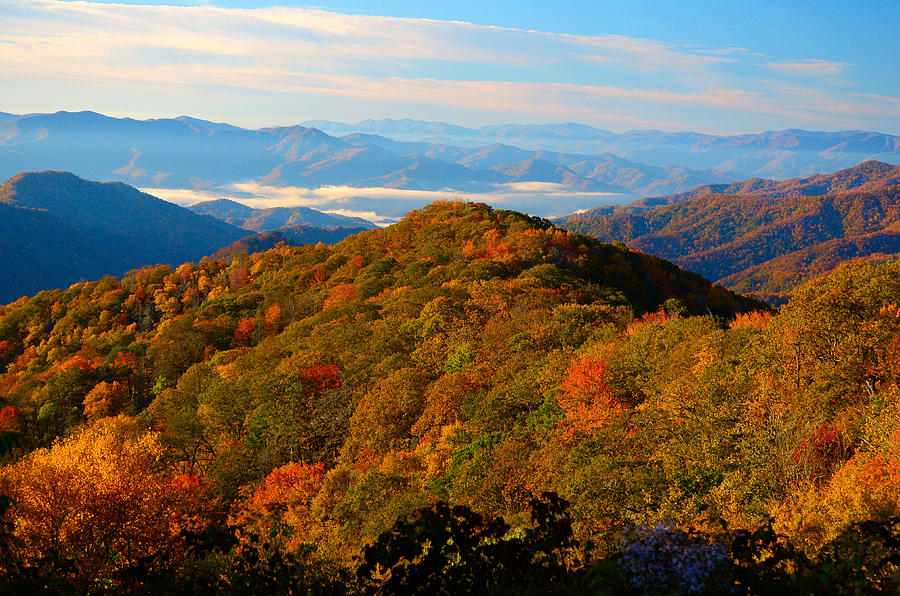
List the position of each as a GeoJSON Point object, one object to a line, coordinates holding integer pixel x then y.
{"type": "Point", "coordinates": [716, 67]}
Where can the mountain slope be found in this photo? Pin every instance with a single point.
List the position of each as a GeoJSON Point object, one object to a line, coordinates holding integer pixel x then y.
{"type": "Point", "coordinates": [751, 232]}
{"type": "Point", "coordinates": [463, 360]}
{"type": "Point", "coordinates": [151, 229]}
{"type": "Point", "coordinates": [40, 251]}
{"type": "Point", "coordinates": [769, 280]}
{"type": "Point", "coordinates": [108, 228]}
{"type": "Point", "coordinates": [541, 170]}
{"type": "Point", "coordinates": [869, 175]}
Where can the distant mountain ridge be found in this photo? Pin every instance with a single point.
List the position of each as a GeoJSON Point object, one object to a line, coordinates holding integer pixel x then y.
{"type": "Point", "coordinates": [192, 153]}
{"type": "Point", "coordinates": [293, 235]}
{"type": "Point", "coordinates": [275, 218]}
{"type": "Point", "coordinates": [779, 154]}
{"type": "Point", "coordinates": [763, 237]}
{"type": "Point", "coordinates": [187, 152]}
{"type": "Point", "coordinates": [870, 175]}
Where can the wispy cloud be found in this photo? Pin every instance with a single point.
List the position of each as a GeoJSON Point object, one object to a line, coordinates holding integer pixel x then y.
{"type": "Point", "coordinates": [879, 98]}
{"type": "Point", "coordinates": [291, 64]}
{"type": "Point", "coordinates": [282, 35]}
{"type": "Point", "coordinates": [820, 69]}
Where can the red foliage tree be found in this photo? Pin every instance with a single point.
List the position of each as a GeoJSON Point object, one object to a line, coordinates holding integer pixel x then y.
{"type": "Point", "coordinates": [6, 350]}
{"type": "Point", "coordinates": [243, 334]}
{"type": "Point", "coordinates": [321, 378]}
{"type": "Point", "coordinates": [10, 418]}
{"type": "Point", "coordinates": [821, 451]}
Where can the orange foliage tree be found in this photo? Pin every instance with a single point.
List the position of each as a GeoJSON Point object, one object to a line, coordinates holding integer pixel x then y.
{"type": "Point", "coordinates": [105, 399]}
{"type": "Point", "coordinates": [279, 509]}
{"type": "Point", "coordinates": [243, 334]}
{"type": "Point", "coordinates": [586, 398]}
{"type": "Point", "coordinates": [866, 487]}
{"type": "Point", "coordinates": [99, 502]}
{"type": "Point", "coordinates": [274, 319]}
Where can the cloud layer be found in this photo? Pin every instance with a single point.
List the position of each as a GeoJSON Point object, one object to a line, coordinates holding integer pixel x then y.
{"type": "Point", "coordinates": [383, 206]}
{"type": "Point", "coordinates": [283, 65]}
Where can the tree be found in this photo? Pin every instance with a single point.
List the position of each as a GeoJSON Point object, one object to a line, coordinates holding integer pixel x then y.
{"type": "Point", "coordinates": [586, 397]}
{"type": "Point", "coordinates": [453, 550]}
{"type": "Point", "coordinates": [279, 509]}
{"type": "Point", "coordinates": [105, 399]}
{"type": "Point", "coordinates": [100, 502]}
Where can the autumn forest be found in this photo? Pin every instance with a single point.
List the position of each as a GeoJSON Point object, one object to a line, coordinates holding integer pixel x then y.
{"type": "Point", "coordinates": [470, 399]}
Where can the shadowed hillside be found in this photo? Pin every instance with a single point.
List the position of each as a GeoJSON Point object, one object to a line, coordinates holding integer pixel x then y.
{"type": "Point", "coordinates": [91, 228]}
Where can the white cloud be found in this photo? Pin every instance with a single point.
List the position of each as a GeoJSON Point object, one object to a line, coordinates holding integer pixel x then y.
{"type": "Point", "coordinates": [284, 35]}
{"type": "Point", "coordinates": [820, 69]}
{"type": "Point", "coordinates": [386, 205]}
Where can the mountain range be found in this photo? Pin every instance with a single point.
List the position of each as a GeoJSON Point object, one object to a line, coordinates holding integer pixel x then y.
{"type": "Point", "coordinates": [190, 153]}
{"type": "Point", "coordinates": [782, 153]}
{"type": "Point", "coordinates": [763, 237]}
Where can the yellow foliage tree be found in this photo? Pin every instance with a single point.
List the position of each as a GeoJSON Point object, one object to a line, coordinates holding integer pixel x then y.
{"type": "Point", "coordinates": [100, 501]}
{"type": "Point", "coordinates": [866, 487]}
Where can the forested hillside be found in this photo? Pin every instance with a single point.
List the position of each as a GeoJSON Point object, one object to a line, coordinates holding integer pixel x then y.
{"type": "Point", "coordinates": [358, 418]}
{"type": "Point", "coordinates": [762, 237]}
{"type": "Point", "coordinates": [296, 235]}
{"type": "Point", "coordinates": [59, 229]}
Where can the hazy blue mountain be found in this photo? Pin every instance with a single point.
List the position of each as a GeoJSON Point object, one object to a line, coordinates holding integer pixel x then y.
{"type": "Point", "coordinates": [275, 218]}
{"type": "Point", "coordinates": [399, 147]}
{"type": "Point", "coordinates": [207, 125]}
{"type": "Point", "coordinates": [332, 127]}
{"type": "Point", "coordinates": [423, 171]}
{"type": "Point", "coordinates": [343, 167]}
{"type": "Point", "coordinates": [541, 170]}
{"type": "Point", "coordinates": [604, 173]}
{"type": "Point", "coordinates": [298, 143]}
{"type": "Point", "coordinates": [62, 228]}
{"type": "Point", "coordinates": [407, 127]}
{"type": "Point", "coordinates": [569, 130]}
{"type": "Point", "coordinates": [780, 154]}
{"type": "Point", "coordinates": [495, 154]}
{"type": "Point", "coordinates": [169, 153]}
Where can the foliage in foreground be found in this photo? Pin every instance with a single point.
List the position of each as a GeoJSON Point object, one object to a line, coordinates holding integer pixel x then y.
{"type": "Point", "coordinates": [328, 419]}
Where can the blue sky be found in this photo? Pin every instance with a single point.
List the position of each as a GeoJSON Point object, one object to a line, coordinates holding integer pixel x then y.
{"type": "Point", "coordinates": [722, 67]}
